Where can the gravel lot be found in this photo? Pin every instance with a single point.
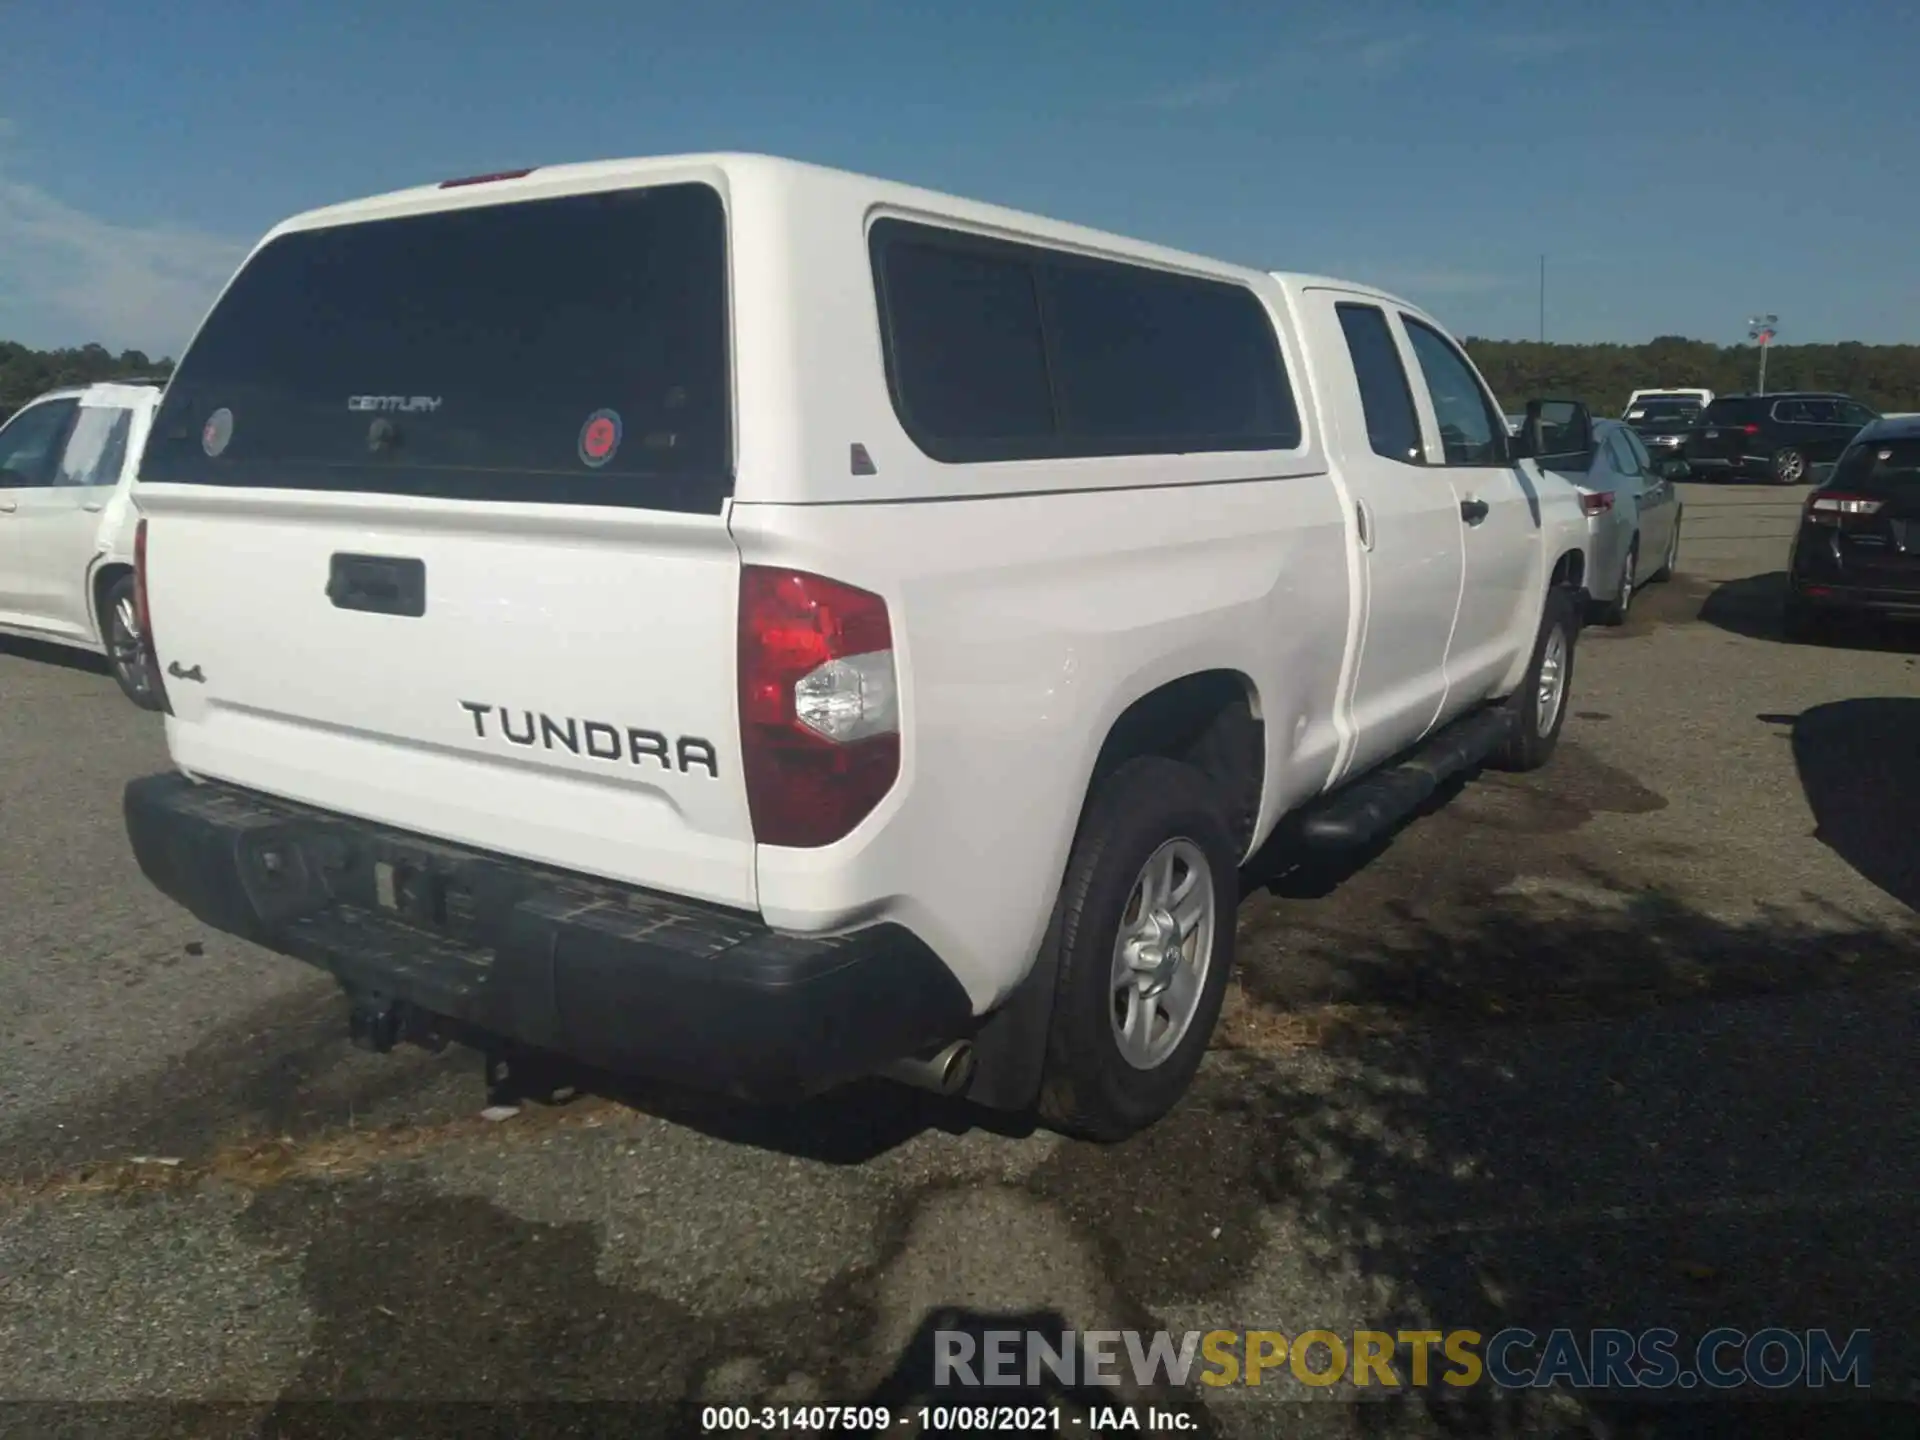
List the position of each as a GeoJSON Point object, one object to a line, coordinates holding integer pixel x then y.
{"type": "Point", "coordinates": [1629, 1041]}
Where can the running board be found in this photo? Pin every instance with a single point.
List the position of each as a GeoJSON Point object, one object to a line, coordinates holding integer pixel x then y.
{"type": "Point", "coordinates": [1362, 812]}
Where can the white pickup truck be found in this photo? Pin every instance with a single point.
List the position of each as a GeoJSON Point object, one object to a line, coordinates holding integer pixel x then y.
{"type": "Point", "coordinates": [732, 620]}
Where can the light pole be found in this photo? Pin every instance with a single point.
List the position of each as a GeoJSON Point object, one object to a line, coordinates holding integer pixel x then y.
{"type": "Point", "coordinates": [1543, 299]}
{"type": "Point", "coordinates": [1762, 328]}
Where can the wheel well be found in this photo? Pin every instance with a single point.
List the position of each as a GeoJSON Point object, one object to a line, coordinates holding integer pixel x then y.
{"type": "Point", "coordinates": [1209, 720]}
{"type": "Point", "coordinates": [1570, 569]}
{"type": "Point", "coordinates": [103, 581]}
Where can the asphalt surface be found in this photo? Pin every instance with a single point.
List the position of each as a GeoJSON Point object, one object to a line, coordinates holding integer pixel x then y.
{"type": "Point", "coordinates": [1629, 1041]}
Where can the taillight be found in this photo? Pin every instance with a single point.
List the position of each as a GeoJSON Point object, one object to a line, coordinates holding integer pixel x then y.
{"type": "Point", "coordinates": [1595, 502]}
{"type": "Point", "coordinates": [143, 613]}
{"type": "Point", "coordinates": [819, 705]}
{"type": "Point", "coordinates": [1828, 508]}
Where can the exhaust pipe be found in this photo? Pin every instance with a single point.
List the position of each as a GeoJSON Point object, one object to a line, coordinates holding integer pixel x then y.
{"type": "Point", "coordinates": [945, 1072]}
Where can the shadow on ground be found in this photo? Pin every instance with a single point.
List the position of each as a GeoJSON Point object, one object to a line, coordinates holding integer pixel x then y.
{"type": "Point", "coordinates": [1689, 1166]}
{"type": "Point", "coordinates": [1374, 1144]}
{"type": "Point", "coordinates": [1751, 607]}
{"type": "Point", "coordinates": [1859, 764]}
{"type": "Point", "coordinates": [41, 653]}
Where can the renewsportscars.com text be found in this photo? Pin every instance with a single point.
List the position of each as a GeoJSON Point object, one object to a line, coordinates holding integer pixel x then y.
{"type": "Point", "coordinates": [1774, 1358]}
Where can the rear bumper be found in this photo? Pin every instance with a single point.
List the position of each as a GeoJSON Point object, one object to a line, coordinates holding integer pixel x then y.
{"type": "Point", "coordinates": [612, 976]}
{"type": "Point", "coordinates": [1857, 599]}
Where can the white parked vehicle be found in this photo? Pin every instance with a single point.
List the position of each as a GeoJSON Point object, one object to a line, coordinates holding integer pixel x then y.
{"type": "Point", "coordinates": [735, 620]}
{"type": "Point", "coordinates": [67, 523]}
{"type": "Point", "coordinates": [1633, 515]}
{"type": "Point", "coordinates": [1702, 398]}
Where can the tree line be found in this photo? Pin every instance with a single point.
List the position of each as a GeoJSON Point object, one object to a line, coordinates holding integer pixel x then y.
{"type": "Point", "coordinates": [25, 373]}
{"type": "Point", "coordinates": [1886, 377]}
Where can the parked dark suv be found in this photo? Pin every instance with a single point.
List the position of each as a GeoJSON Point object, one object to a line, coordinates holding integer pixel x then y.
{"type": "Point", "coordinates": [1858, 547]}
{"type": "Point", "coordinates": [1790, 437]}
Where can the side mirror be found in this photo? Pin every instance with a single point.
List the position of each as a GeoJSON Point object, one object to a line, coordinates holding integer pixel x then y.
{"type": "Point", "coordinates": [1557, 433]}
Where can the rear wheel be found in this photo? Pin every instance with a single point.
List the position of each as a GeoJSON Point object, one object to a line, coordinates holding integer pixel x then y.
{"type": "Point", "coordinates": [1614, 612]}
{"type": "Point", "coordinates": [1789, 466]}
{"type": "Point", "coordinates": [1539, 707]}
{"type": "Point", "coordinates": [126, 648]}
{"type": "Point", "coordinates": [1143, 940]}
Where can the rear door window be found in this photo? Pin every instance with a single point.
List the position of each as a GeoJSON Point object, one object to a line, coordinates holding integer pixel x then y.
{"type": "Point", "coordinates": [96, 447]}
{"type": "Point", "coordinates": [1393, 425]}
{"type": "Point", "coordinates": [1642, 460]}
{"type": "Point", "coordinates": [1624, 462]}
{"type": "Point", "coordinates": [572, 350]}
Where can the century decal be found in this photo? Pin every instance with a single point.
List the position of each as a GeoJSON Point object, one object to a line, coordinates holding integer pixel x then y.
{"type": "Point", "coordinates": [593, 739]}
{"type": "Point", "coordinates": [406, 404]}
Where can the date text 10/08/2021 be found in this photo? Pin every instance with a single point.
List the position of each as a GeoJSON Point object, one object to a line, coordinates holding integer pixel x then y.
{"type": "Point", "coordinates": [945, 1419]}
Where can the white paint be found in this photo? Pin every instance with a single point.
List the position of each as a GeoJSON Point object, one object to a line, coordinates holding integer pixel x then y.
{"type": "Point", "coordinates": [54, 539]}
{"type": "Point", "coordinates": [1031, 602]}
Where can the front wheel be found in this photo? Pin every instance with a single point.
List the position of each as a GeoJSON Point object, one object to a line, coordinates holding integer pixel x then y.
{"type": "Point", "coordinates": [1538, 708]}
{"type": "Point", "coordinates": [126, 649]}
{"type": "Point", "coordinates": [1142, 937]}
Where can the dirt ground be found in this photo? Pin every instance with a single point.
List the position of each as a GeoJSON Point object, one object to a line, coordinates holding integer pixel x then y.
{"type": "Point", "coordinates": [1626, 1041]}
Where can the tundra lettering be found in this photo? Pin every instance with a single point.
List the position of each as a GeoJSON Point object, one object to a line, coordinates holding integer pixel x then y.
{"type": "Point", "coordinates": [596, 738]}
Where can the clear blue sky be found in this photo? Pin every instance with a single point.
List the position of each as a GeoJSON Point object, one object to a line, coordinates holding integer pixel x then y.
{"type": "Point", "coordinates": [1680, 165]}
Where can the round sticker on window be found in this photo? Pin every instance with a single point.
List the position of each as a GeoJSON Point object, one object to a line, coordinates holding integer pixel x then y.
{"type": "Point", "coordinates": [599, 438]}
{"type": "Point", "coordinates": [217, 432]}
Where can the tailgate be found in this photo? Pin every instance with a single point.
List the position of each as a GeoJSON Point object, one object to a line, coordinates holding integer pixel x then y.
{"type": "Point", "coordinates": [563, 697]}
{"type": "Point", "coordinates": [436, 532]}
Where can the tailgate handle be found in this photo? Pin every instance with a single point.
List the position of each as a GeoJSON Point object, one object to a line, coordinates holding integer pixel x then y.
{"type": "Point", "coordinates": [378, 584]}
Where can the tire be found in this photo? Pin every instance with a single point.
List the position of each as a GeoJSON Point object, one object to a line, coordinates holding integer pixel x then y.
{"type": "Point", "coordinates": [1148, 812]}
{"type": "Point", "coordinates": [1614, 612]}
{"type": "Point", "coordinates": [126, 654]}
{"type": "Point", "coordinates": [1789, 467]}
{"type": "Point", "coordinates": [1531, 743]}
{"type": "Point", "coordinates": [1672, 561]}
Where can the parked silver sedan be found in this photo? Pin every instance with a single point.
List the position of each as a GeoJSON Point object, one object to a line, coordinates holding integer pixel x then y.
{"type": "Point", "coordinates": [1633, 518]}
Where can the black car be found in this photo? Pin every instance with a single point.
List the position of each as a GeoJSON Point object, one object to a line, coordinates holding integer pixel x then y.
{"type": "Point", "coordinates": [1663, 423]}
{"type": "Point", "coordinates": [1789, 437]}
{"type": "Point", "coordinates": [1858, 547]}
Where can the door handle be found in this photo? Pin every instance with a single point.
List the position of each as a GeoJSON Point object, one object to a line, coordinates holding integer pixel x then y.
{"type": "Point", "coordinates": [94, 507]}
{"type": "Point", "coordinates": [1473, 511]}
{"type": "Point", "coordinates": [1362, 521]}
{"type": "Point", "coordinates": [7, 507]}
